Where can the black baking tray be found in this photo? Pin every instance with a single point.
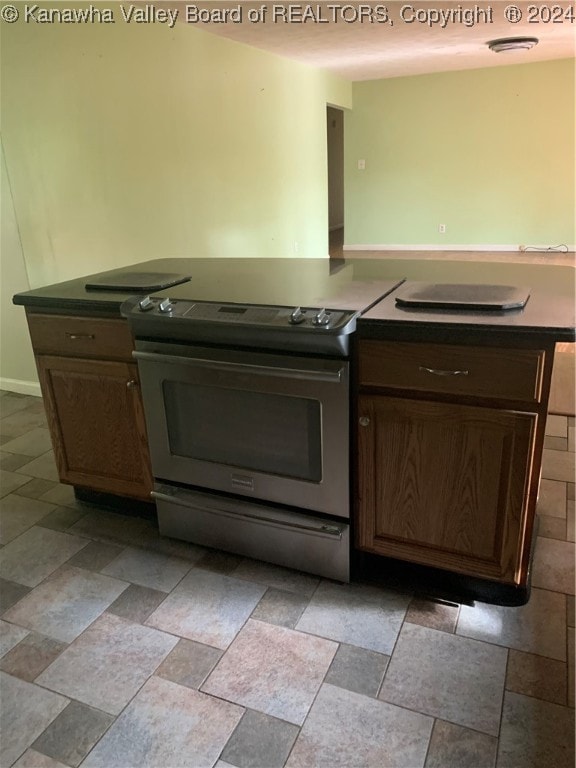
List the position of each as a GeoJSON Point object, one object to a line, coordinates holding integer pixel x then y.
{"type": "Point", "coordinates": [463, 296]}
{"type": "Point", "coordinates": [136, 281]}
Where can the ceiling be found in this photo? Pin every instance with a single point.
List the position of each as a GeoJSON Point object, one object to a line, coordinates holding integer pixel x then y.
{"type": "Point", "coordinates": [334, 38]}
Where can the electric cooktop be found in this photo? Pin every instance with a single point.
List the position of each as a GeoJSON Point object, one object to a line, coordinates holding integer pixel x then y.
{"type": "Point", "coordinates": [467, 296]}
{"type": "Point", "coordinates": [136, 281]}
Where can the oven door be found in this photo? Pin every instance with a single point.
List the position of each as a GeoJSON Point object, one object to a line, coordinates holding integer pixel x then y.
{"type": "Point", "coordinates": [268, 426]}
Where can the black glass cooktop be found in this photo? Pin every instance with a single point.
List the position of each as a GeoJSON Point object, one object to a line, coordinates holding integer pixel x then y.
{"type": "Point", "coordinates": [466, 296]}
{"type": "Point", "coordinates": [136, 281]}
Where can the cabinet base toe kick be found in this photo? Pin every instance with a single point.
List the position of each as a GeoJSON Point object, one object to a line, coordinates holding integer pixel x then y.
{"type": "Point", "coordinates": [436, 584]}
{"type": "Point", "coordinates": [316, 545]}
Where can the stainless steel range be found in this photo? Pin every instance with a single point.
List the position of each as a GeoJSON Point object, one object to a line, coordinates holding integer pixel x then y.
{"type": "Point", "coordinates": [247, 409]}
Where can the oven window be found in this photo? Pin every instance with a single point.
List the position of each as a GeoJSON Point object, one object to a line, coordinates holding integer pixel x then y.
{"type": "Point", "coordinates": [275, 434]}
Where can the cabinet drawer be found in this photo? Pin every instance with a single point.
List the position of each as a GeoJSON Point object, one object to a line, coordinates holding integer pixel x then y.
{"type": "Point", "coordinates": [73, 336]}
{"type": "Point", "coordinates": [509, 374]}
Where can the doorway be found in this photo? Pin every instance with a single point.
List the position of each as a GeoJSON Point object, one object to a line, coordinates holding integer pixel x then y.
{"type": "Point", "coordinates": [335, 143]}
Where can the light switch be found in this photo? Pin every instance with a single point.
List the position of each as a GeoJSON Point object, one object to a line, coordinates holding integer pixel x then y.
{"type": "Point", "coordinates": [361, 165]}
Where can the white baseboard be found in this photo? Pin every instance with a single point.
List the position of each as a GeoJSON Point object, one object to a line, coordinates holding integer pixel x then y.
{"type": "Point", "coordinates": [21, 387]}
{"type": "Point", "coordinates": [436, 247]}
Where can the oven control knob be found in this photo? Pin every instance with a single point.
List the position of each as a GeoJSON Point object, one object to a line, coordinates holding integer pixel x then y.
{"type": "Point", "coordinates": [165, 306]}
{"type": "Point", "coordinates": [297, 316]}
{"type": "Point", "coordinates": [322, 318]}
{"type": "Point", "coordinates": [146, 304]}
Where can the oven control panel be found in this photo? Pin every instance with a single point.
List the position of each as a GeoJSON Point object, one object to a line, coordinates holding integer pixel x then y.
{"type": "Point", "coordinates": [295, 318]}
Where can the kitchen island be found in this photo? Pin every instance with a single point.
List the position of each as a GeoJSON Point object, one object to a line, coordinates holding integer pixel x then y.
{"type": "Point", "coordinates": [445, 465]}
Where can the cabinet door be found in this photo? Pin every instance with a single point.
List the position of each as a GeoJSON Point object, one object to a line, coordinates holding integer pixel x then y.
{"type": "Point", "coordinates": [96, 420]}
{"type": "Point", "coordinates": [444, 485]}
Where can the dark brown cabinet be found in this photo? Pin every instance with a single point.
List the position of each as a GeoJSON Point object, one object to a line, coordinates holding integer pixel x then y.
{"type": "Point", "coordinates": [93, 403]}
{"type": "Point", "coordinates": [448, 454]}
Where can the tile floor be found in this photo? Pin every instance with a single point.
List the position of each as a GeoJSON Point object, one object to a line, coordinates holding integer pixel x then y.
{"type": "Point", "coordinates": [119, 648]}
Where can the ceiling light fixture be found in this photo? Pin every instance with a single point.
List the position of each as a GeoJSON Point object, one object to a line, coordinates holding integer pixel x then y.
{"type": "Point", "coordinates": [507, 44]}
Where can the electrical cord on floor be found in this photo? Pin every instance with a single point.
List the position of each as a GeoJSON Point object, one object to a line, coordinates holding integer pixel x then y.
{"type": "Point", "coordinates": [550, 249]}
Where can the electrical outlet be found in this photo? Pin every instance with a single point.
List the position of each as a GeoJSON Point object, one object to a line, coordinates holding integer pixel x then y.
{"type": "Point", "coordinates": [442, 229]}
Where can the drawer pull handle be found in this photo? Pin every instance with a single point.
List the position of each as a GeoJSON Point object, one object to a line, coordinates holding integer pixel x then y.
{"type": "Point", "coordinates": [364, 421]}
{"type": "Point", "coordinates": [132, 384]}
{"type": "Point", "coordinates": [438, 372]}
{"type": "Point", "coordinates": [80, 335]}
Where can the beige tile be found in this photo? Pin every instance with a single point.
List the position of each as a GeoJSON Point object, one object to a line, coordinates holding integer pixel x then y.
{"type": "Point", "coordinates": [10, 636]}
{"type": "Point", "coordinates": [33, 443]}
{"type": "Point", "coordinates": [356, 614]}
{"type": "Point", "coordinates": [148, 569]}
{"type": "Point", "coordinates": [452, 746]}
{"type": "Point", "coordinates": [277, 577]}
{"type": "Point", "coordinates": [571, 491]}
{"type": "Point", "coordinates": [272, 669]}
{"type": "Point", "coordinates": [73, 733]}
{"type": "Point", "coordinates": [379, 734]}
{"type": "Point", "coordinates": [535, 734]}
{"type": "Point", "coordinates": [22, 421]}
{"type": "Point", "coordinates": [207, 607]}
{"type": "Point", "coordinates": [13, 402]}
{"type": "Point", "coordinates": [189, 663]}
{"type": "Point", "coordinates": [571, 661]}
{"type": "Point", "coordinates": [33, 759]}
{"type": "Point", "coordinates": [556, 426]}
{"type": "Point", "coordinates": [429, 613]}
{"type": "Point", "coordinates": [95, 556]}
{"type": "Point", "coordinates": [259, 740]}
{"type": "Point", "coordinates": [10, 593]}
{"type": "Point", "coordinates": [357, 669]}
{"type": "Point", "coordinates": [18, 513]}
{"type": "Point", "coordinates": [570, 511]}
{"type": "Point", "coordinates": [552, 527]}
{"type": "Point", "coordinates": [558, 465]}
{"type": "Point", "coordinates": [572, 438]}
{"type": "Point", "coordinates": [12, 461]}
{"type": "Point", "coordinates": [220, 562]}
{"type": "Point", "coordinates": [538, 627]}
{"type": "Point", "coordinates": [44, 467]}
{"type": "Point", "coordinates": [31, 656]}
{"type": "Point", "coordinates": [278, 607]}
{"type": "Point", "coordinates": [570, 611]}
{"type": "Point", "coordinates": [136, 603]}
{"type": "Point", "coordinates": [447, 676]}
{"type": "Point", "coordinates": [107, 665]}
{"type": "Point", "coordinates": [26, 711]}
{"type": "Point", "coordinates": [193, 735]}
{"type": "Point", "coordinates": [552, 498]}
{"type": "Point", "coordinates": [61, 518]}
{"type": "Point", "coordinates": [37, 553]}
{"type": "Point", "coordinates": [66, 603]}
{"type": "Point", "coordinates": [556, 443]}
{"type": "Point", "coordinates": [553, 566]}
{"type": "Point", "coordinates": [9, 481]}
{"type": "Point", "coordinates": [108, 526]}
{"type": "Point", "coordinates": [61, 494]}
{"type": "Point", "coordinates": [536, 676]}
{"type": "Point", "coordinates": [35, 487]}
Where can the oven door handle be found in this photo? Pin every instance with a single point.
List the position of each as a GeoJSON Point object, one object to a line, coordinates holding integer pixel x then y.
{"type": "Point", "coordinates": [258, 370]}
{"type": "Point", "coordinates": [323, 529]}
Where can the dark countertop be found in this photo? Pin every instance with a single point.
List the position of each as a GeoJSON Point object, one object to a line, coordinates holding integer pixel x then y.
{"type": "Point", "coordinates": [281, 282]}
{"type": "Point", "coordinates": [354, 284]}
{"type": "Point", "coordinates": [544, 314]}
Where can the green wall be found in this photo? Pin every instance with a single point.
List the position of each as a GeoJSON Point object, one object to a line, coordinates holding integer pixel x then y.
{"type": "Point", "coordinates": [125, 143]}
{"type": "Point", "coordinates": [488, 152]}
